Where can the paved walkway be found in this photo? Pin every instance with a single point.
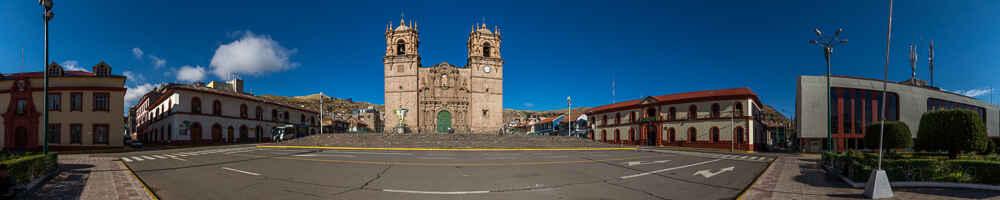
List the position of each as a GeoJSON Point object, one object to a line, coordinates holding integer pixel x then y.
{"type": "Point", "coordinates": [85, 177]}
{"type": "Point", "coordinates": [799, 177]}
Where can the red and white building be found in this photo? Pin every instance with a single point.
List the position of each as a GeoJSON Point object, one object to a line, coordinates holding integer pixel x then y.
{"type": "Point", "coordinates": [219, 112]}
{"type": "Point", "coordinates": [707, 119]}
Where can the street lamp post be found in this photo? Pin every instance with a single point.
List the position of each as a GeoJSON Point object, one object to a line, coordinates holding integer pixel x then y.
{"type": "Point", "coordinates": [569, 109]}
{"type": "Point", "coordinates": [828, 42]}
{"type": "Point", "coordinates": [46, 16]}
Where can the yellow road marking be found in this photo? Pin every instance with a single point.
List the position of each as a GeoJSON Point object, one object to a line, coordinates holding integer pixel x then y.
{"type": "Point", "coordinates": [151, 195]}
{"type": "Point", "coordinates": [454, 164]}
{"type": "Point", "coordinates": [440, 149]}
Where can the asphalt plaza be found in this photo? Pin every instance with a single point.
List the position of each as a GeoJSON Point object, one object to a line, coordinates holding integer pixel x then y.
{"type": "Point", "coordinates": [249, 172]}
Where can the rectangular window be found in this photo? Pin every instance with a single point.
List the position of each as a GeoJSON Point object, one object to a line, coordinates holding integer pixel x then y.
{"type": "Point", "coordinates": [940, 104]}
{"type": "Point", "coordinates": [55, 102]}
{"type": "Point", "coordinates": [834, 111]}
{"type": "Point", "coordinates": [892, 101]}
{"type": "Point", "coordinates": [100, 134]}
{"type": "Point", "coordinates": [21, 106]}
{"type": "Point", "coordinates": [859, 116]}
{"type": "Point", "coordinates": [53, 133]}
{"type": "Point", "coordinates": [879, 102]}
{"type": "Point", "coordinates": [76, 101]}
{"type": "Point", "coordinates": [75, 133]}
{"type": "Point", "coordinates": [868, 108]}
{"type": "Point", "coordinates": [101, 102]}
{"type": "Point", "coordinates": [846, 105]}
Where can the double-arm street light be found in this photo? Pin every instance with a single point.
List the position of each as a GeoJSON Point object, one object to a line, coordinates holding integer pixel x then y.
{"type": "Point", "coordinates": [46, 15]}
{"type": "Point", "coordinates": [828, 42]}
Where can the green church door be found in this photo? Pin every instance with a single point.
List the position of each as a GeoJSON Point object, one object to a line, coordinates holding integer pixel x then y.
{"type": "Point", "coordinates": [443, 121]}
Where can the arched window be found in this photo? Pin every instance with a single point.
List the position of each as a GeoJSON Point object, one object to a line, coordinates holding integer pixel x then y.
{"type": "Point", "coordinates": [243, 111]}
{"type": "Point", "coordinates": [605, 120]}
{"type": "Point", "coordinates": [286, 116]}
{"type": "Point", "coordinates": [693, 112]}
{"type": "Point", "coordinates": [486, 49]}
{"type": "Point", "coordinates": [258, 113]}
{"type": "Point", "coordinates": [400, 47]}
{"type": "Point", "coordinates": [274, 115]}
{"type": "Point", "coordinates": [604, 135]}
{"type": "Point", "coordinates": [738, 109]}
{"type": "Point", "coordinates": [631, 116]}
{"type": "Point", "coordinates": [692, 134]}
{"type": "Point", "coordinates": [672, 114]}
{"type": "Point", "coordinates": [216, 107]}
{"type": "Point", "coordinates": [715, 134]}
{"type": "Point", "coordinates": [651, 112]}
{"type": "Point", "coordinates": [302, 118]}
{"type": "Point", "coordinates": [618, 118]}
{"type": "Point", "coordinates": [631, 134]}
{"type": "Point", "coordinates": [196, 105]}
{"type": "Point", "coordinates": [617, 136]}
{"type": "Point", "coordinates": [715, 110]}
{"type": "Point", "coordinates": [739, 135]}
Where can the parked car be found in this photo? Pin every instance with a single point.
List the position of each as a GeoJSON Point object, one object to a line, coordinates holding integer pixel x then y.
{"type": "Point", "coordinates": [135, 144]}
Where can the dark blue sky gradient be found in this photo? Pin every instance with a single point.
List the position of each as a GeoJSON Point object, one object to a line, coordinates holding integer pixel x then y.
{"type": "Point", "coordinates": [552, 49]}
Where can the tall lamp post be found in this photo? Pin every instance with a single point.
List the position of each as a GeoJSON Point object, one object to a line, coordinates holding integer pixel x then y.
{"type": "Point", "coordinates": [46, 16]}
{"type": "Point", "coordinates": [828, 42]}
{"type": "Point", "coordinates": [569, 116]}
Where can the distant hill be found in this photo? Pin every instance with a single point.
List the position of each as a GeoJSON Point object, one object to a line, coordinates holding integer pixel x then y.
{"type": "Point", "coordinates": [511, 114]}
{"type": "Point", "coordinates": [342, 107]}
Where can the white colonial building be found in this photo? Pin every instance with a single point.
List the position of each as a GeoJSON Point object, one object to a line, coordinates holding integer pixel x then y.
{"type": "Point", "coordinates": [707, 119]}
{"type": "Point", "coordinates": [215, 113]}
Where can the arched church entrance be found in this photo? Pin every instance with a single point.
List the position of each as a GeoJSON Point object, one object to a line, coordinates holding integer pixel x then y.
{"type": "Point", "coordinates": [443, 121]}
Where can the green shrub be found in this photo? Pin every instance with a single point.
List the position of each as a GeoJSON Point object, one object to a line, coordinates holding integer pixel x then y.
{"type": "Point", "coordinates": [953, 131]}
{"type": "Point", "coordinates": [957, 177]}
{"type": "Point", "coordinates": [25, 168]}
{"type": "Point", "coordinates": [981, 171]}
{"type": "Point", "coordinates": [897, 135]}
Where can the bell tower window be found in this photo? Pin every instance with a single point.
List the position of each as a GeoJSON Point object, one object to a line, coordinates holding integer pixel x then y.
{"type": "Point", "coordinates": [486, 49]}
{"type": "Point", "coordinates": [400, 48]}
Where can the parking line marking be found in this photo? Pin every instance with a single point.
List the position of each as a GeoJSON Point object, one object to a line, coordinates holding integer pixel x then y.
{"type": "Point", "coordinates": [160, 157]}
{"type": "Point", "coordinates": [667, 169]}
{"type": "Point", "coordinates": [435, 192]}
{"type": "Point", "coordinates": [136, 158]}
{"type": "Point", "coordinates": [148, 158]}
{"type": "Point", "coordinates": [240, 171]}
{"type": "Point", "coordinates": [126, 159]}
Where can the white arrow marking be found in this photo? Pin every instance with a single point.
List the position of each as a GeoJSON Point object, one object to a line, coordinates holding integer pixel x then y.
{"type": "Point", "coordinates": [708, 172]}
{"type": "Point", "coordinates": [632, 163]}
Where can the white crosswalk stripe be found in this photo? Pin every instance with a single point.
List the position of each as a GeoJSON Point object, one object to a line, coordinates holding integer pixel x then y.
{"type": "Point", "coordinates": [126, 159]}
{"type": "Point", "coordinates": [136, 158]}
{"type": "Point", "coordinates": [160, 157]}
{"type": "Point", "coordinates": [148, 158]}
{"type": "Point", "coordinates": [178, 155]}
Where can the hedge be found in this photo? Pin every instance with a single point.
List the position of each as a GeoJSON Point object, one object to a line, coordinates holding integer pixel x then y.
{"type": "Point", "coordinates": [26, 168]}
{"type": "Point", "coordinates": [897, 136]}
{"type": "Point", "coordinates": [858, 167]}
{"type": "Point", "coordinates": [954, 131]}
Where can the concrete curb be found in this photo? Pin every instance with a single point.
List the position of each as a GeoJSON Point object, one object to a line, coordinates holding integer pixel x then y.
{"type": "Point", "coordinates": [443, 149]}
{"type": "Point", "coordinates": [750, 187]}
{"type": "Point", "coordinates": [144, 186]}
{"type": "Point", "coordinates": [32, 186]}
{"type": "Point", "coordinates": [914, 183]}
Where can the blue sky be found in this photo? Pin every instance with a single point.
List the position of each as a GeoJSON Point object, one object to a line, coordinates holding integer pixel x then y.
{"type": "Point", "coordinates": [552, 50]}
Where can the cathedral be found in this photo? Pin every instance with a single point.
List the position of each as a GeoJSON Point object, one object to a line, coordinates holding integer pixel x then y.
{"type": "Point", "coordinates": [443, 97]}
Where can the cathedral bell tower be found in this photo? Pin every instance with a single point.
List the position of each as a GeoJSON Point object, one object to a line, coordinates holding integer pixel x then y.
{"type": "Point", "coordinates": [401, 60]}
{"type": "Point", "coordinates": [486, 81]}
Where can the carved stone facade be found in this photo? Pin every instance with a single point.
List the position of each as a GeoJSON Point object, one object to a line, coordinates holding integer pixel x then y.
{"type": "Point", "coordinates": [466, 99]}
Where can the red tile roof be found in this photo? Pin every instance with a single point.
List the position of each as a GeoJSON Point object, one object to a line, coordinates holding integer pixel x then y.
{"type": "Point", "coordinates": [39, 74]}
{"type": "Point", "coordinates": [681, 97]}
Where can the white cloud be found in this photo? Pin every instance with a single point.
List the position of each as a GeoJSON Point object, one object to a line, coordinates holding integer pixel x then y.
{"type": "Point", "coordinates": [251, 55]}
{"type": "Point", "coordinates": [72, 65]}
{"type": "Point", "coordinates": [973, 92]}
{"type": "Point", "coordinates": [157, 62]}
{"type": "Point", "coordinates": [134, 93]}
{"type": "Point", "coordinates": [137, 52]}
{"type": "Point", "coordinates": [133, 76]}
{"type": "Point", "coordinates": [191, 74]}
{"type": "Point", "coordinates": [528, 104]}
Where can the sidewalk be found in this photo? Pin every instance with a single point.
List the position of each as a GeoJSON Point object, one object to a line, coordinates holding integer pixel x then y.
{"type": "Point", "coordinates": [799, 177]}
{"type": "Point", "coordinates": [85, 177]}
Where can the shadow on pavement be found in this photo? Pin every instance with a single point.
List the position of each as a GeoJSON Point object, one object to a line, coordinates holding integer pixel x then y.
{"type": "Point", "coordinates": [68, 184]}
{"type": "Point", "coordinates": [952, 192]}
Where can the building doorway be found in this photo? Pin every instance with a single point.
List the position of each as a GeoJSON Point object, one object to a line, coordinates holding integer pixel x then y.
{"type": "Point", "coordinates": [20, 138]}
{"type": "Point", "coordinates": [443, 121]}
{"type": "Point", "coordinates": [195, 133]}
{"type": "Point", "coordinates": [651, 136]}
{"type": "Point", "coordinates": [230, 138]}
{"type": "Point", "coordinates": [244, 137]}
{"type": "Point", "coordinates": [216, 133]}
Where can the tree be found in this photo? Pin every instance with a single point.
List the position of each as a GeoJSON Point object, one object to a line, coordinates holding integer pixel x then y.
{"type": "Point", "coordinates": [954, 131]}
{"type": "Point", "coordinates": [897, 135]}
